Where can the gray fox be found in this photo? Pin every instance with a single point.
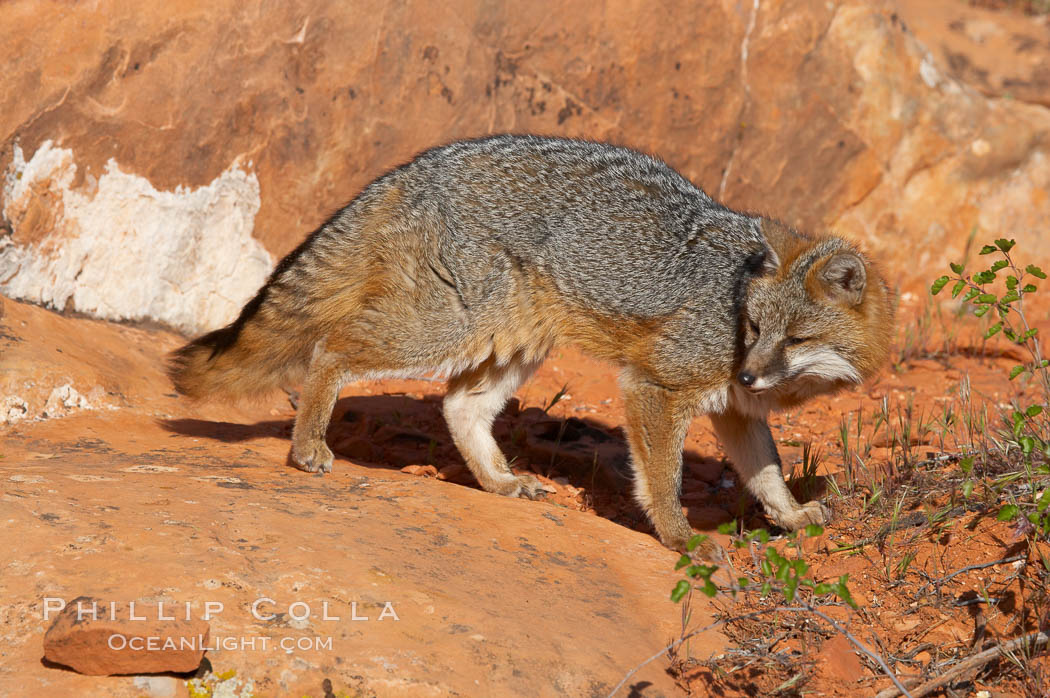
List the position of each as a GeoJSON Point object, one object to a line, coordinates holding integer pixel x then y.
{"type": "Point", "coordinates": [475, 259]}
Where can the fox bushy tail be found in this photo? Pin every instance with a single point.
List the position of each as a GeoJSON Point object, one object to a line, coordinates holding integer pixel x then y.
{"type": "Point", "coordinates": [266, 347]}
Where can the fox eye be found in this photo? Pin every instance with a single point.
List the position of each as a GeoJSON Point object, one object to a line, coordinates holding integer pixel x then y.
{"type": "Point", "coordinates": [792, 341]}
{"type": "Point", "coordinates": [754, 327]}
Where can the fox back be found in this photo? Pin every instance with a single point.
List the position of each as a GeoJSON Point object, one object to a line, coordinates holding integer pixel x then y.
{"type": "Point", "coordinates": [609, 248]}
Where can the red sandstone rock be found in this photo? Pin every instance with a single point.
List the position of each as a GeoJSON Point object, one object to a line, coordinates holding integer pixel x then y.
{"type": "Point", "coordinates": [822, 114]}
{"type": "Point", "coordinates": [421, 470]}
{"type": "Point", "coordinates": [103, 638]}
{"type": "Point", "coordinates": [1002, 54]}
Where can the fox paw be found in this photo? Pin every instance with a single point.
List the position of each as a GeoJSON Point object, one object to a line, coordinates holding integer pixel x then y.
{"type": "Point", "coordinates": [809, 513]}
{"type": "Point", "coordinates": [526, 487]}
{"type": "Point", "coordinates": [313, 457]}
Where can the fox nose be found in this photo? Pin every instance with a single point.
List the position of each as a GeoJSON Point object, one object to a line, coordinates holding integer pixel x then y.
{"type": "Point", "coordinates": [746, 379]}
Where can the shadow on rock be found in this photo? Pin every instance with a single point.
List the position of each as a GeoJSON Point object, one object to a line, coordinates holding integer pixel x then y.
{"type": "Point", "coordinates": [398, 431]}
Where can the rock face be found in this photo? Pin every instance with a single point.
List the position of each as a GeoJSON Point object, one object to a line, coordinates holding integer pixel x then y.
{"type": "Point", "coordinates": [103, 638]}
{"type": "Point", "coordinates": [1001, 54]}
{"type": "Point", "coordinates": [189, 147]}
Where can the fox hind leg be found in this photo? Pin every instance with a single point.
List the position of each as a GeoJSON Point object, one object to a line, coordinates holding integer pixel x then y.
{"type": "Point", "coordinates": [326, 375]}
{"type": "Point", "coordinates": [474, 399]}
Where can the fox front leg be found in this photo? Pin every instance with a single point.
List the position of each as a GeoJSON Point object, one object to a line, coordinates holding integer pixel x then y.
{"type": "Point", "coordinates": [750, 446]}
{"type": "Point", "coordinates": [657, 422]}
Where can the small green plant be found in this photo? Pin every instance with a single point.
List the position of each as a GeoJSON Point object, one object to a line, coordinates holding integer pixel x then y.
{"type": "Point", "coordinates": [1028, 424]}
{"type": "Point", "coordinates": [557, 398]}
{"type": "Point", "coordinates": [774, 574]}
{"type": "Point", "coordinates": [847, 452]}
{"type": "Point", "coordinates": [808, 479]}
{"type": "Point", "coordinates": [774, 577]}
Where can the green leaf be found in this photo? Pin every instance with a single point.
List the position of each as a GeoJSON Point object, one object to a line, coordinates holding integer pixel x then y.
{"type": "Point", "coordinates": [1031, 333]}
{"type": "Point", "coordinates": [1016, 371]}
{"type": "Point", "coordinates": [957, 268]}
{"type": "Point", "coordinates": [980, 312]}
{"type": "Point", "coordinates": [966, 464]}
{"type": "Point", "coordinates": [1004, 244]}
{"type": "Point", "coordinates": [1009, 297]}
{"type": "Point", "coordinates": [987, 298]}
{"type": "Point", "coordinates": [800, 566]}
{"type": "Point", "coordinates": [987, 249]}
{"type": "Point", "coordinates": [1035, 271]}
{"type": "Point", "coordinates": [822, 588]}
{"type": "Point", "coordinates": [984, 277]}
{"type": "Point", "coordinates": [971, 294]}
{"type": "Point", "coordinates": [728, 528]}
{"type": "Point", "coordinates": [695, 541]}
{"type": "Point", "coordinates": [939, 284]}
{"type": "Point", "coordinates": [842, 591]}
{"type": "Point", "coordinates": [1044, 501]}
{"type": "Point", "coordinates": [967, 489]}
{"type": "Point", "coordinates": [1018, 423]}
{"type": "Point", "coordinates": [767, 569]}
{"type": "Point", "coordinates": [680, 590]}
{"type": "Point", "coordinates": [790, 586]}
{"type": "Point", "coordinates": [1034, 410]}
{"type": "Point", "coordinates": [1029, 288]}
{"type": "Point", "coordinates": [1011, 282]}
{"type": "Point", "coordinates": [993, 330]}
{"type": "Point", "coordinates": [766, 588]}
{"type": "Point", "coordinates": [709, 588]}
{"type": "Point", "coordinates": [1027, 444]}
{"type": "Point", "coordinates": [814, 530]}
{"type": "Point", "coordinates": [958, 287]}
{"type": "Point", "coordinates": [743, 582]}
{"type": "Point", "coordinates": [999, 264]}
{"type": "Point", "coordinates": [1008, 512]}
{"type": "Point", "coordinates": [682, 562]}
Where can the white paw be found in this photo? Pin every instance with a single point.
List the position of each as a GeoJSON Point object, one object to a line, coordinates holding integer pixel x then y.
{"type": "Point", "coordinates": [528, 487]}
{"type": "Point", "coordinates": [809, 513]}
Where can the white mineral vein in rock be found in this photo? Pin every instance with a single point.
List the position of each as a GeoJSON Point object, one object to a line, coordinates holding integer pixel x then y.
{"type": "Point", "coordinates": [123, 250]}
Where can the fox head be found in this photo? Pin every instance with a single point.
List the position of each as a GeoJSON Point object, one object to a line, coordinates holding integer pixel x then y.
{"type": "Point", "coordinates": [822, 320]}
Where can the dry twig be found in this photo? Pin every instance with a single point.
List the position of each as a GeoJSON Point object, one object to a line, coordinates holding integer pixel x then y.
{"type": "Point", "coordinates": [964, 667]}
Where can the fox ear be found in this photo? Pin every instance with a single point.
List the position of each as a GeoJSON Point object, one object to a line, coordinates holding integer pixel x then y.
{"type": "Point", "coordinates": [770, 263]}
{"type": "Point", "coordinates": [844, 277]}
{"type": "Point", "coordinates": [763, 263]}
